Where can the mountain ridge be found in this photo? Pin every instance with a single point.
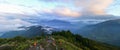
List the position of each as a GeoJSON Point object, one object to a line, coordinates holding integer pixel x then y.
{"type": "Point", "coordinates": [29, 32]}
{"type": "Point", "coordinates": [108, 32]}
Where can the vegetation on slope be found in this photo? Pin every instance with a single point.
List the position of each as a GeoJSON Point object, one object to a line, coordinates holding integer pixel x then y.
{"type": "Point", "coordinates": [57, 40]}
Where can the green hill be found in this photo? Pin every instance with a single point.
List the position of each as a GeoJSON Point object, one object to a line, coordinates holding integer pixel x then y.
{"type": "Point", "coordinates": [63, 40]}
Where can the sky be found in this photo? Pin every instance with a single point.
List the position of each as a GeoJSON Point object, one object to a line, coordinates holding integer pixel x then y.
{"type": "Point", "coordinates": [14, 13]}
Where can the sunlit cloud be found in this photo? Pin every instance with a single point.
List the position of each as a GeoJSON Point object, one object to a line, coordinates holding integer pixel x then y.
{"type": "Point", "coordinates": [63, 11]}
{"type": "Point", "coordinates": [84, 7]}
{"type": "Point", "coordinates": [67, 12]}
{"type": "Point", "coordinates": [94, 6]}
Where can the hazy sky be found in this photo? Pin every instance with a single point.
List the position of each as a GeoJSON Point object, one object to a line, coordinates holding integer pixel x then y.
{"type": "Point", "coordinates": [12, 12]}
{"type": "Point", "coordinates": [62, 7]}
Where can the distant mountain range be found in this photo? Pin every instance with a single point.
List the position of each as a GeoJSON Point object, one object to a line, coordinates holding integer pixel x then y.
{"type": "Point", "coordinates": [103, 31]}
{"type": "Point", "coordinates": [47, 26]}
{"type": "Point", "coordinates": [69, 25]}
{"type": "Point", "coordinates": [29, 32]}
{"type": "Point", "coordinates": [108, 32]}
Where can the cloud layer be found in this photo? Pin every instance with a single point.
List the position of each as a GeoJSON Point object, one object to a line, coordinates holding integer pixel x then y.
{"type": "Point", "coordinates": [72, 8]}
{"type": "Point", "coordinates": [63, 11]}
{"type": "Point", "coordinates": [93, 6]}
{"type": "Point", "coordinates": [12, 24]}
{"type": "Point", "coordinates": [16, 9]}
{"type": "Point", "coordinates": [14, 13]}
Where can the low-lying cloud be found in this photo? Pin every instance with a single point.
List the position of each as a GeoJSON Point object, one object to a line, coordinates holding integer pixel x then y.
{"type": "Point", "coordinates": [12, 24]}
{"type": "Point", "coordinates": [64, 8]}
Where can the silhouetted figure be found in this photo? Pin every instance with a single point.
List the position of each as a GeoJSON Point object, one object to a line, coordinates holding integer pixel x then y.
{"type": "Point", "coordinates": [61, 48]}
{"type": "Point", "coordinates": [35, 44]}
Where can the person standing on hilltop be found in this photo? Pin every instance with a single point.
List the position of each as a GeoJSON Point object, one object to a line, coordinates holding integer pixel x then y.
{"type": "Point", "coordinates": [35, 44]}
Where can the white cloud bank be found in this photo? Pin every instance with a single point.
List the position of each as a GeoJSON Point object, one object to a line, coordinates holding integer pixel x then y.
{"type": "Point", "coordinates": [12, 24]}
{"type": "Point", "coordinates": [16, 9]}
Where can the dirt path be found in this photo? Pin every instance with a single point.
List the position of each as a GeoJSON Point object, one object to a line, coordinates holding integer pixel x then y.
{"type": "Point", "coordinates": [50, 45]}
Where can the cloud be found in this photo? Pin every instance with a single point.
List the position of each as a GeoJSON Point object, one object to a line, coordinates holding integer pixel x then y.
{"type": "Point", "coordinates": [93, 6]}
{"type": "Point", "coordinates": [16, 9]}
{"type": "Point", "coordinates": [55, 0]}
{"type": "Point", "coordinates": [66, 12]}
{"type": "Point", "coordinates": [12, 24]}
{"type": "Point", "coordinates": [15, 13]}
{"type": "Point", "coordinates": [84, 7]}
{"type": "Point", "coordinates": [63, 11]}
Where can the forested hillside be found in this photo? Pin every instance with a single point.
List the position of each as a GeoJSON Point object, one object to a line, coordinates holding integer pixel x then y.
{"type": "Point", "coordinates": [63, 40]}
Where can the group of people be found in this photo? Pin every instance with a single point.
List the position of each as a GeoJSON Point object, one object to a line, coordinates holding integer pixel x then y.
{"type": "Point", "coordinates": [49, 42]}
{"type": "Point", "coordinates": [36, 46]}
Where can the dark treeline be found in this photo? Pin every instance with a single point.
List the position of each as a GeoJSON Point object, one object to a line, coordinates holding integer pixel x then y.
{"type": "Point", "coordinates": [84, 43]}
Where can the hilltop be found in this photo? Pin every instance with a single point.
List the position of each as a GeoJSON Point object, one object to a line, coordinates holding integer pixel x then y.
{"type": "Point", "coordinates": [62, 40]}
